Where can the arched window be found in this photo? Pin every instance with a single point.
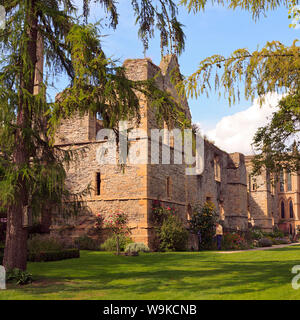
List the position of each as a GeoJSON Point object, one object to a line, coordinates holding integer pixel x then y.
{"type": "Point", "coordinates": [291, 209]}
{"type": "Point", "coordinates": [282, 210]}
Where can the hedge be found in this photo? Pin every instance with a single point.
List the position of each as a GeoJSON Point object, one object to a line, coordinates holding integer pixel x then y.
{"type": "Point", "coordinates": [50, 255]}
{"type": "Point", "coordinates": [53, 255]}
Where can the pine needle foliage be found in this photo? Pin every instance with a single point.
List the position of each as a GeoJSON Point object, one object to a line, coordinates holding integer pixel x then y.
{"type": "Point", "coordinates": [275, 67]}
{"type": "Point", "coordinates": [256, 7]}
{"type": "Point", "coordinates": [32, 167]}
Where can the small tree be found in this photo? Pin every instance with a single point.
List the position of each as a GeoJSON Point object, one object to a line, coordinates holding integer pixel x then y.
{"type": "Point", "coordinates": [204, 219]}
{"type": "Point", "coordinates": [170, 232]}
{"type": "Point", "coordinates": [118, 224]}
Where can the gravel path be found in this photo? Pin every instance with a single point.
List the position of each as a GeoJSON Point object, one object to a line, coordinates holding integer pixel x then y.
{"type": "Point", "coordinates": [277, 246]}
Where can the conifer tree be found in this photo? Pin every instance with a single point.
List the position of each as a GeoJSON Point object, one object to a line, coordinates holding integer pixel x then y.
{"type": "Point", "coordinates": [32, 166]}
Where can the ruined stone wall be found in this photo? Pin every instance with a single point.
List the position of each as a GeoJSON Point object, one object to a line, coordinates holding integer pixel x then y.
{"type": "Point", "coordinates": [76, 130]}
{"type": "Point", "coordinates": [236, 192]}
{"type": "Point", "coordinates": [262, 199]}
{"type": "Point", "coordinates": [133, 188]}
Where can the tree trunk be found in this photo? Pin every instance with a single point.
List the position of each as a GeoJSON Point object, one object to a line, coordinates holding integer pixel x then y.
{"type": "Point", "coordinates": [15, 253]}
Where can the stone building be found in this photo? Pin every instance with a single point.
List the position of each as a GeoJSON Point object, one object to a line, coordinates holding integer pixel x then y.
{"type": "Point", "coordinates": [225, 180]}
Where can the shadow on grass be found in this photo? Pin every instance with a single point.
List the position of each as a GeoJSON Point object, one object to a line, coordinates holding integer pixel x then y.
{"type": "Point", "coordinates": [189, 275]}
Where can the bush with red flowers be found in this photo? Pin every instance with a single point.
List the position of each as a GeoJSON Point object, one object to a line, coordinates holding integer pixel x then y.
{"type": "Point", "coordinates": [118, 224]}
{"type": "Point", "coordinates": [234, 241]}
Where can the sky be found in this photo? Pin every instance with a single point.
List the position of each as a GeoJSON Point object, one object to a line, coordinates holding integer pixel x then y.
{"type": "Point", "coordinates": [216, 31]}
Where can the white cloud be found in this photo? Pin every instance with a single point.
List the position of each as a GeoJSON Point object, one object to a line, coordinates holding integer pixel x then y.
{"type": "Point", "coordinates": [235, 133]}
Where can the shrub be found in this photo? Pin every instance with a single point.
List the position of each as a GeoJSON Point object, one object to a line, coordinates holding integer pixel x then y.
{"type": "Point", "coordinates": [111, 243]}
{"type": "Point", "coordinates": [276, 233]}
{"type": "Point", "coordinates": [18, 276]}
{"type": "Point", "coordinates": [136, 247]}
{"type": "Point", "coordinates": [42, 243]}
{"type": "Point", "coordinates": [204, 219]}
{"type": "Point", "coordinates": [265, 242]}
{"type": "Point", "coordinates": [86, 243]}
{"type": "Point", "coordinates": [53, 255]}
{"type": "Point", "coordinates": [282, 241]}
{"type": "Point", "coordinates": [256, 234]}
{"type": "Point", "coordinates": [234, 241]}
{"type": "Point", "coordinates": [172, 234]}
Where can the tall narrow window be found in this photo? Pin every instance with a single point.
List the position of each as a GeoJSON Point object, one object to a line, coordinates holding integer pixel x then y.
{"type": "Point", "coordinates": [254, 184]}
{"type": "Point", "coordinates": [189, 212]}
{"type": "Point", "coordinates": [282, 210]}
{"type": "Point", "coordinates": [291, 210]}
{"type": "Point", "coordinates": [249, 182]}
{"type": "Point", "coordinates": [281, 181]}
{"type": "Point", "coordinates": [268, 181]}
{"type": "Point", "coordinates": [98, 183]}
{"type": "Point", "coordinates": [289, 181]}
{"type": "Point", "coordinates": [217, 168]}
{"type": "Point", "coordinates": [168, 187]}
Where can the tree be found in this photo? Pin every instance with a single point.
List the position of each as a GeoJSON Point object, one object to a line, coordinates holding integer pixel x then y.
{"type": "Point", "coordinates": [279, 139]}
{"type": "Point", "coordinates": [274, 68]}
{"type": "Point", "coordinates": [203, 220]}
{"type": "Point", "coordinates": [33, 166]}
{"type": "Point", "coordinates": [118, 224]}
{"type": "Point", "coordinates": [170, 232]}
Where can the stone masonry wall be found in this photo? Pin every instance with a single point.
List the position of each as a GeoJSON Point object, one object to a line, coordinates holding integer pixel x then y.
{"type": "Point", "coordinates": [133, 188]}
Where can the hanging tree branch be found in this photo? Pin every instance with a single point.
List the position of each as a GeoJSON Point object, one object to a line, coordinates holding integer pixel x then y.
{"type": "Point", "coordinates": [273, 68]}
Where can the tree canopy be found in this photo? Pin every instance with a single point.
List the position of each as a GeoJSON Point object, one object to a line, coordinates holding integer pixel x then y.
{"type": "Point", "coordinates": [34, 168]}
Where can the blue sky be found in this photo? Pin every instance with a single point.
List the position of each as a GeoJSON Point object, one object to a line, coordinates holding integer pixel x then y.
{"type": "Point", "coordinates": [215, 31]}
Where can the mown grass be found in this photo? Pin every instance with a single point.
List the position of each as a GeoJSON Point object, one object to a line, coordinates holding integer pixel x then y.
{"type": "Point", "coordinates": [181, 275]}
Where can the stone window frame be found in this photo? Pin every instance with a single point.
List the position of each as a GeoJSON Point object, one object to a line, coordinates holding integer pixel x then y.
{"type": "Point", "coordinates": [217, 168]}
{"type": "Point", "coordinates": [168, 187]}
{"type": "Point", "coordinates": [98, 184]}
{"type": "Point", "coordinates": [249, 182]}
{"type": "Point", "coordinates": [254, 185]}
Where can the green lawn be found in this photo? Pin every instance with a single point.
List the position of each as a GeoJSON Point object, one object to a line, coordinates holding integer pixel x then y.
{"type": "Point", "coordinates": [187, 275]}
